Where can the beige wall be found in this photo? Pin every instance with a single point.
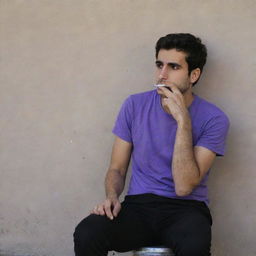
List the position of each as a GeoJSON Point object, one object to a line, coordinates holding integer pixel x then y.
{"type": "Point", "coordinates": [65, 68]}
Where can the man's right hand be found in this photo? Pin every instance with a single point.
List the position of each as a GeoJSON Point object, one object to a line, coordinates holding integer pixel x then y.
{"type": "Point", "coordinates": [110, 207]}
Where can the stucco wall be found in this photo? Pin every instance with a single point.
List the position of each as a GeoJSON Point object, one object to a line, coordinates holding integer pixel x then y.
{"type": "Point", "coordinates": [65, 68]}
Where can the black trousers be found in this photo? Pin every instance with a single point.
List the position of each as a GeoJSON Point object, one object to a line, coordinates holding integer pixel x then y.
{"type": "Point", "coordinates": [148, 220]}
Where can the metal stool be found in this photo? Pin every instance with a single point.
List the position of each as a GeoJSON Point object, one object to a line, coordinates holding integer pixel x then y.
{"type": "Point", "coordinates": [154, 251]}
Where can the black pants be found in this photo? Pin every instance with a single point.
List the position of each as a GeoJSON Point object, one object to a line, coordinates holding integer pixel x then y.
{"type": "Point", "coordinates": [146, 220]}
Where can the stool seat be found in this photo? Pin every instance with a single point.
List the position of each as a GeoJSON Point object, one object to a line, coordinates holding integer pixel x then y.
{"type": "Point", "coordinates": [154, 251]}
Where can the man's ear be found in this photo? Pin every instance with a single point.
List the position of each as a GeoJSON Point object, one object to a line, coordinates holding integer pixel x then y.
{"type": "Point", "coordinates": [194, 75]}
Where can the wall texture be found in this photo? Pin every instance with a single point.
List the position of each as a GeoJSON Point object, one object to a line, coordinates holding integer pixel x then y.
{"type": "Point", "coordinates": [65, 68]}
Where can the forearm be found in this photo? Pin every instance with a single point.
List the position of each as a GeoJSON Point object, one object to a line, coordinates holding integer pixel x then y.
{"type": "Point", "coordinates": [114, 183]}
{"type": "Point", "coordinates": [185, 171]}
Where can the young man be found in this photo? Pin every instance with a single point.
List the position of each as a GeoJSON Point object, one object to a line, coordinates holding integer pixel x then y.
{"type": "Point", "coordinates": [173, 137]}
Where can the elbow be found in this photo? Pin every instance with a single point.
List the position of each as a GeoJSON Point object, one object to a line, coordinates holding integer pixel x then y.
{"type": "Point", "coordinates": [184, 190]}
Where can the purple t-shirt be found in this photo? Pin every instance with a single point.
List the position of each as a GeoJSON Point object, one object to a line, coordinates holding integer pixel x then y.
{"type": "Point", "coordinates": [143, 122]}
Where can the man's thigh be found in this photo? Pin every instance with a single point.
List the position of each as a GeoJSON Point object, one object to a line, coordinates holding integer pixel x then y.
{"type": "Point", "coordinates": [126, 232]}
{"type": "Point", "coordinates": [189, 232]}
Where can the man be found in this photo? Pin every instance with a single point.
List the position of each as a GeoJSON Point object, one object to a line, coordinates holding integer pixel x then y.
{"type": "Point", "coordinates": [173, 137]}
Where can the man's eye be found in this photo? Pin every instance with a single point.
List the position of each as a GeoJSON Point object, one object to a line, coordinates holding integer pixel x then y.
{"type": "Point", "coordinates": [159, 65]}
{"type": "Point", "coordinates": [175, 67]}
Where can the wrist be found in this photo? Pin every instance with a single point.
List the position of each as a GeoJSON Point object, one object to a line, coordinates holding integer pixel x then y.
{"type": "Point", "coordinates": [184, 122]}
{"type": "Point", "coordinates": [112, 195]}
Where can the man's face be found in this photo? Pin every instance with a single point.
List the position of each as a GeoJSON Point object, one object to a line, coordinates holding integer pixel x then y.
{"type": "Point", "coordinates": [172, 68]}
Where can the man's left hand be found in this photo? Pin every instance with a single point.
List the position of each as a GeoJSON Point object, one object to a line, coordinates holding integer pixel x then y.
{"type": "Point", "coordinates": [174, 103]}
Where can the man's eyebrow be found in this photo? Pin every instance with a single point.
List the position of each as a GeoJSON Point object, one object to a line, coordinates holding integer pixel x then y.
{"type": "Point", "coordinates": [169, 63]}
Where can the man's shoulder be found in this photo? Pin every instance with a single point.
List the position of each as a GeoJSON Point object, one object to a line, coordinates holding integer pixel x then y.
{"type": "Point", "coordinates": [210, 109]}
{"type": "Point", "coordinates": [141, 98]}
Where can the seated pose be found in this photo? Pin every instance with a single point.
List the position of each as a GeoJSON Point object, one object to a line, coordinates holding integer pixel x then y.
{"type": "Point", "coordinates": [173, 137]}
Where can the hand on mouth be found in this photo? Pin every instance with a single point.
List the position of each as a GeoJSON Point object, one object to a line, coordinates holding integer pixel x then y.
{"type": "Point", "coordinates": [160, 85]}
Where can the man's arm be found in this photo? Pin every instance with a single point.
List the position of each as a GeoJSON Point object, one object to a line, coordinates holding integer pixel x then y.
{"type": "Point", "coordinates": [115, 178]}
{"type": "Point", "coordinates": [120, 158]}
{"type": "Point", "coordinates": [189, 165]}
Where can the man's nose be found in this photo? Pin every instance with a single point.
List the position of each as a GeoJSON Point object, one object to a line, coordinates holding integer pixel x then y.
{"type": "Point", "coordinates": [164, 72]}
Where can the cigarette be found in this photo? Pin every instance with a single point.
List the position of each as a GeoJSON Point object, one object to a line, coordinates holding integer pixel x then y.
{"type": "Point", "coordinates": [159, 85]}
{"type": "Point", "coordinates": [163, 85]}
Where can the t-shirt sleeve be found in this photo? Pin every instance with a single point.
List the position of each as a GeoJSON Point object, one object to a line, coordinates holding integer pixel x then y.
{"type": "Point", "coordinates": [123, 124]}
{"type": "Point", "coordinates": [214, 134]}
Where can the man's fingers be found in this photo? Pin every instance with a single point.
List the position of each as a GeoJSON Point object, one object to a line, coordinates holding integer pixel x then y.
{"type": "Point", "coordinates": [175, 95]}
{"type": "Point", "coordinates": [117, 208]}
{"type": "Point", "coordinates": [165, 92]}
{"type": "Point", "coordinates": [95, 210]}
{"type": "Point", "coordinates": [176, 90]}
{"type": "Point", "coordinates": [101, 210]}
{"type": "Point", "coordinates": [98, 209]}
{"type": "Point", "coordinates": [107, 207]}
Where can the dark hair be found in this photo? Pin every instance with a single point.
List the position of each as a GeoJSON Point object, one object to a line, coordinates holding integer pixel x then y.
{"type": "Point", "coordinates": [185, 42]}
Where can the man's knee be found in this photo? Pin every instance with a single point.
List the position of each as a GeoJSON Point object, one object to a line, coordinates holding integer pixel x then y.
{"type": "Point", "coordinates": [82, 232]}
{"type": "Point", "coordinates": [89, 227]}
{"type": "Point", "coordinates": [190, 242]}
{"type": "Point", "coordinates": [88, 236]}
{"type": "Point", "coordinates": [193, 246]}
{"type": "Point", "coordinates": [82, 235]}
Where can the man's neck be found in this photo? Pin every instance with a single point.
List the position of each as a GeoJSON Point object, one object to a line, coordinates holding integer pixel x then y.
{"type": "Point", "coordinates": [188, 97]}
